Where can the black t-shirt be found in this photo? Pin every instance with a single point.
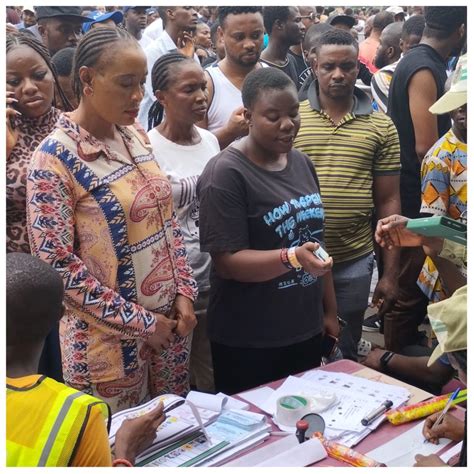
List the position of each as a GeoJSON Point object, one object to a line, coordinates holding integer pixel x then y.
{"type": "Point", "coordinates": [301, 66]}
{"type": "Point", "coordinates": [419, 57]}
{"type": "Point", "coordinates": [243, 206]}
{"type": "Point", "coordinates": [290, 68]}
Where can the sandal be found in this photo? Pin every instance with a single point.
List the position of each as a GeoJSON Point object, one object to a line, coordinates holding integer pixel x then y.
{"type": "Point", "coordinates": [363, 348]}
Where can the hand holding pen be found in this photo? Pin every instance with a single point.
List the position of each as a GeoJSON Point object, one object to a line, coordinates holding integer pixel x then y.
{"type": "Point", "coordinates": [442, 425]}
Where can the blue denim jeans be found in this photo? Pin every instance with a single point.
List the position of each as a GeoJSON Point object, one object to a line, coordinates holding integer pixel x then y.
{"type": "Point", "coordinates": [352, 284]}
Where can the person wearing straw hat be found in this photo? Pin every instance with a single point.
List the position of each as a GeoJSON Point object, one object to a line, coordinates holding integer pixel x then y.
{"type": "Point", "coordinates": [444, 173]}
{"type": "Point", "coordinates": [449, 322]}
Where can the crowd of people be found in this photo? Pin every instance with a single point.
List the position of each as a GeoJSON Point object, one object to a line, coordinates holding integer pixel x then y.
{"type": "Point", "coordinates": [197, 197]}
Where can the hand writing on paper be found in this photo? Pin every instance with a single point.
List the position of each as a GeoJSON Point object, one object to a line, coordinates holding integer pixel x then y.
{"type": "Point", "coordinates": [450, 427]}
{"type": "Point", "coordinates": [428, 461]}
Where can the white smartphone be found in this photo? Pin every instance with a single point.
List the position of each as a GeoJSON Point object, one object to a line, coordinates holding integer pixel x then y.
{"type": "Point", "coordinates": [321, 254]}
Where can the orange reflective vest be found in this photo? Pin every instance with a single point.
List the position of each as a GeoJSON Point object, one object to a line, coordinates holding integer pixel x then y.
{"type": "Point", "coordinates": [45, 422]}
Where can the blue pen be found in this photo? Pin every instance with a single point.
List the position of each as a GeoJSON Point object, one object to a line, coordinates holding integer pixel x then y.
{"type": "Point", "coordinates": [445, 410]}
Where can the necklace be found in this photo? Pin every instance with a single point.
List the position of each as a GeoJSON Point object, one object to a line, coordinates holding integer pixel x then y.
{"type": "Point", "coordinates": [278, 65]}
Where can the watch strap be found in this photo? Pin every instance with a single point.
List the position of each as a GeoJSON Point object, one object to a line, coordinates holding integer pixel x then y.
{"type": "Point", "coordinates": [385, 359]}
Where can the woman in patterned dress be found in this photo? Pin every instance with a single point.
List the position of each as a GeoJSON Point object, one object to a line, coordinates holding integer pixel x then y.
{"type": "Point", "coordinates": [101, 212]}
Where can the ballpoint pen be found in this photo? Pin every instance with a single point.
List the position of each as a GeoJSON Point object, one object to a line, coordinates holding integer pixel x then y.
{"type": "Point", "coordinates": [441, 416]}
{"type": "Point", "coordinates": [373, 415]}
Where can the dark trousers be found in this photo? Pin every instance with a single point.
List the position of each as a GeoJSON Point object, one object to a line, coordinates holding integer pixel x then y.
{"type": "Point", "coordinates": [239, 368]}
{"type": "Point", "coordinates": [401, 323]}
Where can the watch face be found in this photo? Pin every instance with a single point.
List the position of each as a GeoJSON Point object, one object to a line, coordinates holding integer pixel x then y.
{"type": "Point", "coordinates": [315, 424]}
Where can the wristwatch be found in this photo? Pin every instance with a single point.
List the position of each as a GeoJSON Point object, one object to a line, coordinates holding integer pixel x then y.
{"type": "Point", "coordinates": [385, 359]}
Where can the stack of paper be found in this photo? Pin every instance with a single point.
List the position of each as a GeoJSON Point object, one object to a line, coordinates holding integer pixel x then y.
{"type": "Point", "coordinates": [356, 397]}
{"type": "Point", "coordinates": [180, 422]}
{"type": "Point", "coordinates": [232, 432]}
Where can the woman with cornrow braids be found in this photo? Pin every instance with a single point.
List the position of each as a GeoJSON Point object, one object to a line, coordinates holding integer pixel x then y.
{"type": "Point", "coordinates": [31, 115]}
{"type": "Point", "coordinates": [100, 211]}
{"type": "Point", "coordinates": [182, 151]}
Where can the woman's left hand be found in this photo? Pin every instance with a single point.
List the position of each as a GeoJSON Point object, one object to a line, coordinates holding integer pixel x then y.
{"type": "Point", "coordinates": [428, 461]}
{"type": "Point", "coordinates": [183, 312]}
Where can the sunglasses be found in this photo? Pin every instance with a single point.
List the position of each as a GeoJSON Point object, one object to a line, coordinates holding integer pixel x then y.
{"type": "Point", "coordinates": [311, 16]}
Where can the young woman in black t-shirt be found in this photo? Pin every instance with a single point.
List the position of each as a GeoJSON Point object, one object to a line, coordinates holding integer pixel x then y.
{"type": "Point", "coordinates": [261, 218]}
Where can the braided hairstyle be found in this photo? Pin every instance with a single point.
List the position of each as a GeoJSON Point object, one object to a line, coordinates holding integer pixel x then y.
{"type": "Point", "coordinates": [90, 49]}
{"type": "Point", "coordinates": [160, 80]}
{"type": "Point", "coordinates": [22, 39]}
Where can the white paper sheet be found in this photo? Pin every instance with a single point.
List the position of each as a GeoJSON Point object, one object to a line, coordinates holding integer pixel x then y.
{"type": "Point", "coordinates": [302, 455]}
{"type": "Point", "coordinates": [257, 396]}
{"type": "Point", "coordinates": [401, 451]}
{"type": "Point", "coordinates": [220, 459]}
{"type": "Point", "coordinates": [265, 452]}
{"type": "Point", "coordinates": [456, 449]}
{"type": "Point", "coordinates": [207, 400]}
{"type": "Point", "coordinates": [233, 403]}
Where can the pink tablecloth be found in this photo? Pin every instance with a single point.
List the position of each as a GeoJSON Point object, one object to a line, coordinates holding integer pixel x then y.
{"type": "Point", "coordinates": [380, 436]}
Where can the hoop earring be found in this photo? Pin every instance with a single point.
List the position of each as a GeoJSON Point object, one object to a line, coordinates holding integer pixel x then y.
{"type": "Point", "coordinates": [88, 90]}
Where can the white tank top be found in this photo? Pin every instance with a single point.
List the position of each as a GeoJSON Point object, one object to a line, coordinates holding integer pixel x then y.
{"type": "Point", "coordinates": [225, 100]}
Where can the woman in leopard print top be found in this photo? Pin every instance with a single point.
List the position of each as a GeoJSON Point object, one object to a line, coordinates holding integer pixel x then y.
{"type": "Point", "coordinates": [31, 116]}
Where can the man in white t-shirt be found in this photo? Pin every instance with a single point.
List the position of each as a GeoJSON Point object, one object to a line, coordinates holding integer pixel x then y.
{"type": "Point", "coordinates": [153, 30]}
{"type": "Point", "coordinates": [179, 25]}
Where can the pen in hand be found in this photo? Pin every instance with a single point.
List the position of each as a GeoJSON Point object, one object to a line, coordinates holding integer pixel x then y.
{"type": "Point", "coordinates": [441, 416]}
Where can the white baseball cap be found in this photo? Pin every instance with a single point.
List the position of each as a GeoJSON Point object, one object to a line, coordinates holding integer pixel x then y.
{"type": "Point", "coordinates": [395, 10]}
{"type": "Point", "coordinates": [28, 8]}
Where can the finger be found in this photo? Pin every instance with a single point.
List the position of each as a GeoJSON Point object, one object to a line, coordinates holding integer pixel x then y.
{"type": "Point", "coordinates": [157, 412]}
{"type": "Point", "coordinates": [12, 112]}
{"type": "Point", "coordinates": [172, 323]}
{"type": "Point", "coordinates": [159, 420]}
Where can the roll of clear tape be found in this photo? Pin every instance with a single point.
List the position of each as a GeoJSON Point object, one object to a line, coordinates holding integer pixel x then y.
{"type": "Point", "coordinates": [290, 408]}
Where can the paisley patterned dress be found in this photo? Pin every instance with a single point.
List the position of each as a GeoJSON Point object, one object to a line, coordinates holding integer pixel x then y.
{"type": "Point", "coordinates": [106, 223]}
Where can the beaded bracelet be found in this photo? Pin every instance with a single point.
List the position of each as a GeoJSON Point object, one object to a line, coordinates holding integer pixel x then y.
{"type": "Point", "coordinates": [284, 258]}
{"type": "Point", "coordinates": [293, 259]}
{"type": "Point", "coordinates": [121, 462]}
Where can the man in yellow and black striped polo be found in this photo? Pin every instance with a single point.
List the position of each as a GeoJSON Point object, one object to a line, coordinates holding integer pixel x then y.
{"type": "Point", "coordinates": [356, 154]}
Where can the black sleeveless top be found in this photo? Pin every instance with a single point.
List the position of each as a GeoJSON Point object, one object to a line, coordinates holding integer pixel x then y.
{"type": "Point", "coordinates": [419, 57]}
